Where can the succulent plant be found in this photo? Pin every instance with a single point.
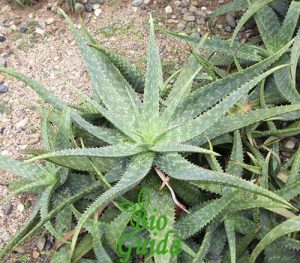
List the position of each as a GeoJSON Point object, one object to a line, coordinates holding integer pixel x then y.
{"type": "Point", "coordinates": [124, 139]}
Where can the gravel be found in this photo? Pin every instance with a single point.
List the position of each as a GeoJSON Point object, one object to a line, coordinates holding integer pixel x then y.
{"type": "Point", "coordinates": [137, 3]}
{"type": "Point", "coordinates": [7, 209]}
{"type": "Point", "coordinates": [3, 88]}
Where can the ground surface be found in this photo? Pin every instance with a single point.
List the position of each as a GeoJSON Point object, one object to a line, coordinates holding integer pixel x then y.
{"type": "Point", "coordinates": [52, 59]}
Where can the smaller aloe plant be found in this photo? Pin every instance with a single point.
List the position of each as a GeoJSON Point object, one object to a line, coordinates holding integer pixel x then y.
{"type": "Point", "coordinates": [135, 133]}
{"type": "Point", "coordinates": [277, 22]}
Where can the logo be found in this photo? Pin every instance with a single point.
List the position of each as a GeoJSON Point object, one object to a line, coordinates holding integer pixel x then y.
{"type": "Point", "coordinates": [160, 243]}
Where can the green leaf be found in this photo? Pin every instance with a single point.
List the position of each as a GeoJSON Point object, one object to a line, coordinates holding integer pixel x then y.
{"type": "Point", "coordinates": [64, 133]}
{"type": "Point", "coordinates": [288, 226]}
{"type": "Point", "coordinates": [295, 171]}
{"type": "Point", "coordinates": [83, 247]}
{"type": "Point", "coordinates": [230, 232]}
{"type": "Point", "coordinates": [154, 80]}
{"type": "Point", "coordinates": [26, 171]}
{"type": "Point", "coordinates": [203, 98]}
{"type": "Point", "coordinates": [45, 204]}
{"type": "Point", "coordinates": [295, 54]}
{"type": "Point", "coordinates": [118, 150]}
{"type": "Point", "coordinates": [165, 148]}
{"type": "Point", "coordinates": [236, 156]}
{"type": "Point", "coordinates": [179, 168]}
{"type": "Point", "coordinates": [240, 120]}
{"type": "Point", "coordinates": [269, 26]}
{"type": "Point", "coordinates": [99, 250]}
{"type": "Point", "coordinates": [108, 84]}
{"type": "Point", "coordinates": [48, 136]}
{"type": "Point", "coordinates": [137, 169]}
{"type": "Point", "coordinates": [61, 255]}
{"type": "Point", "coordinates": [289, 25]}
{"type": "Point", "coordinates": [253, 8]}
{"type": "Point", "coordinates": [182, 85]}
{"type": "Point", "coordinates": [285, 84]}
{"type": "Point", "coordinates": [63, 220]}
{"type": "Point", "coordinates": [116, 228]}
{"type": "Point", "coordinates": [194, 127]}
{"type": "Point", "coordinates": [132, 74]}
{"type": "Point", "coordinates": [233, 6]}
{"type": "Point", "coordinates": [189, 225]}
{"type": "Point", "coordinates": [161, 205]}
{"type": "Point", "coordinates": [24, 235]}
{"type": "Point", "coordinates": [245, 52]}
{"type": "Point", "coordinates": [204, 245]}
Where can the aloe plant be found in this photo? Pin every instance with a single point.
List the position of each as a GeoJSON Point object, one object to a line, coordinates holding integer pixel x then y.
{"type": "Point", "coordinates": [112, 145]}
{"type": "Point", "coordinates": [277, 22]}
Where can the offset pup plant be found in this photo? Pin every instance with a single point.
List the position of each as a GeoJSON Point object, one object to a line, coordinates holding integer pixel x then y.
{"type": "Point", "coordinates": [277, 23]}
{"type": "Point", "coordinates": [124, 139]}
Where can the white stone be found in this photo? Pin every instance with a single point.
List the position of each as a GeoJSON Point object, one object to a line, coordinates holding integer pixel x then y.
{"type": "Point", "coordinates": [168, 9]}
{"type": "Point", "coordinates": [39, 31]}
{"type": "Point", "coordinates": [50, 21]}
{"type": "Point", "coordinates": [98, 12]}
{"type": "Point", "coordinates": [21, 124]}
{"type": "Point", "coordinates": [290, 144]}
{"type": "Point", "coordinates": [20, 208]}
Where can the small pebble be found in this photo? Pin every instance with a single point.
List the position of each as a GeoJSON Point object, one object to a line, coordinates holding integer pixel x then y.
{"type": "Point", "coordinates": [20, 208]}
{"type": "Point", "coordinates": [230, 20]}
{"type": "Point", "coordinates": [22, 29]}
{"type": "Point", "coordinates": [49, 21]}
{"type": "Point", "coordinates": [41, 243]}
{"type": "Point", "coordinates": [137, 3]}
{"type": "Point", "coordinates": [98, 12]}
{"type": "Point", "coordinates": [189, 18]}
{"type": "Point", "coordinates": [39, 31]}
{"type": "Point", "coordinates": [20, 125]}
{"type": "Point", "coordinates": [88, 7]}
{"type": "Point", "coordinates": [290, 144]}
{"type": "Point", "coordinates": [79, 8]}
{"type": "Point", "coordinates": [7, 209]}
{"type": "Point", "coordinates": [2, 38]}
{"type": "Point", "coordinates": [35, 254]}
{"type": "Point", "coordinates": [228, 29]}
{"type": "Point", "coordinates": [3, 88]}
{"type": "Point", "coordinates": [168, 9]}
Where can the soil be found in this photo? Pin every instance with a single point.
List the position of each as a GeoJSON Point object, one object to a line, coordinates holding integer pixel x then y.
{"type": "Point", "coordinates": [54, 61]}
